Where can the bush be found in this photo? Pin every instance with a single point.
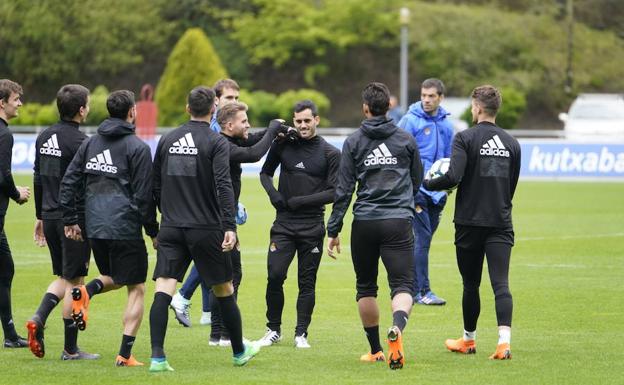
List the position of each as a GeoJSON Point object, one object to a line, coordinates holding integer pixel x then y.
{"type": "Point", "coordinates": [262, 107]}
{"type": "Point", "coordinates": [514, 105]}
{"type": "Point", "coordinates": [192, 62]}
{"type": "Point", "coordinates": [97, 106]}
{"type": "Point", "coordinates": [36, 114]}
{"type": "Point", "coordinates": [286, 101]}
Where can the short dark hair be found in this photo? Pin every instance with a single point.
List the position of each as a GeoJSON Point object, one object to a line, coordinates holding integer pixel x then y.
{"type": "Point", "coordinates": [489, 98]}
{"type": "Point", "coordinates": [377, 97]}
{"type": "Point", "coordinates": [225, 83]}
{"type": "Point", "coordinates": [306, 104]}
{"type": "Point", "coordinates": [229, 111]}
{"type": "Point", "coordinates": [119, 103]}
{"type": "Point", "coordinates": [70, 98]}
{"type": "Point", "coordinates": [7, 87]}
{"type": "Point", "coordinates": [200, 100]}
{"type": "Point", "coordinates": [434, 83]}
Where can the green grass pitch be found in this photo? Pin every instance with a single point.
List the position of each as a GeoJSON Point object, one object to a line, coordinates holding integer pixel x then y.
{"type": "Point", "coordinates": [567, 275]}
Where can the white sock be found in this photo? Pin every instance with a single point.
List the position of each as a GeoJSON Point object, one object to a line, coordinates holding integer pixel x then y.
{"type": "Point", "coordinates": [504, 335]}
{"type": "Point", "coordinates": [470, 336]}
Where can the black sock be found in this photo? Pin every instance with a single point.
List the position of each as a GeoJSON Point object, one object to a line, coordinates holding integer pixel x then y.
{"type": "Point", "coordinates": [48, 303]}
{"type": "Point", "coordinates": [94, 287]}
{"type": "Point", "coordinates": [71, 336]}
{"type": "Point", "coordinates": [230, 314]}
{"type": "Point", "coordinates": [372, 333]}
{"type": "Point", "coordinates": [5, 311]}
{"type": "Point", "coordinates": [399, 318]}
{"type": "Point", "coordinates": [126, 346]}
{"type": "Point", "coordinates": [159, 316]}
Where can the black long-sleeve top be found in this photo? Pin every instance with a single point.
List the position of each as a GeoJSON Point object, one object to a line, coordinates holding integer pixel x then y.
{"type": "Point", "coordinates": [308, 176]}
{"type": "Point", "coordinates": [192, 183]}
{"type": "Point", "coordinates": [485, 162]}
{"type": "Point", "coordinates": [55, 148]}
{"type": "Point", "coordinates": [7, 185]}
{"type": "Point", "coordinates": [248, 150]}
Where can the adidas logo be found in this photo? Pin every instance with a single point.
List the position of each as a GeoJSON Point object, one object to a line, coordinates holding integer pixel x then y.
{"type": "Point", "coordinates": [315, 250]}
{"type": "Point", "coordinates": [380, 155]}
{"type": "Point", "coordinates": [102, 162]}
{"type": "Point", "coordinates": [184, 146]}
{"type": "Point", "coordinates": [494, 147]}
{"type": "Point", "coordinates": [51, 147]}
{"type": "Point", "coordinates": [300, 165]}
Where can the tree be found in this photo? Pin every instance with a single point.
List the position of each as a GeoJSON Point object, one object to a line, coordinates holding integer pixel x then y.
{"type": "Point", "coordinates": [192, 62]}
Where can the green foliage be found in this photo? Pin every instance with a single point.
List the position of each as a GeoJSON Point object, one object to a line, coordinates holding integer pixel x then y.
{"type": "Point", "coordinates": [47, 43]}
{"type": "Point", "coordinates": [514, 105]}
{"type": "Point", "coordinates": [264, 106]}
{"type": "Point", "coordinates": [192, 62]}
{"type": "Point", "coordinates": [97, 106]}
{"type": "Point", "coordinates": [37, 114]}
{"type": "Point", "coordinates": [287, 100]}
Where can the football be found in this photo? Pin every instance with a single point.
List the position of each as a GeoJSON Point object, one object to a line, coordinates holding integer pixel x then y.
{"type": "Point", "coordinates": [438, 168]}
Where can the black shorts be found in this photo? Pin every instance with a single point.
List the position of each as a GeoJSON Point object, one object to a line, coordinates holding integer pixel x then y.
{"type": "Point", "coordinates": [70, 259]}
{"type": "Point", "coordinates": [476, 237]}
{"type": "Point", "coordinates": [177, 247]}
{"type": "Point", "coordinates": [393, 240]}
{"type": "Point", "coordinates": [125, 261]}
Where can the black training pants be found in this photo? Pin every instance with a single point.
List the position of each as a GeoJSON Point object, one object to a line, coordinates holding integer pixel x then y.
{"type": "Point", "coordinates": [473, 244]}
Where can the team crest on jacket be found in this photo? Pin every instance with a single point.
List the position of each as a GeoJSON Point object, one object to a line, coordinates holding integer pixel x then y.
{"type": "Point", "coordinates": [273, 247]}
{"type": "Point", "coordinates": [50, 147]}
{"type": "Point", "coordinates": [380, 155]}
{"type": "Point", "coordinates": [184, 146]}
{"type": "Point", "coordinates": [102, 162]}
{"type": "Point", "coordinates": [427, 130]}
{"type": "Point", "coordinates": [494, 147]}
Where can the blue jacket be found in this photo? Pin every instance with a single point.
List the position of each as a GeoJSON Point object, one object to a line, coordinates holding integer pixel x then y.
{"type": "Point", "coordinates": [434, 137]}
{"type": "Point", "coordinates": [214, 125]}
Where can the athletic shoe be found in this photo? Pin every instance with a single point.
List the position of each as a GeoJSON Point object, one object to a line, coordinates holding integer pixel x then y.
{"type": "Point", "coordinates": [121, 361]}
{"type": "Point", "coordinates": [302, 342]}
{"type": "Point", "coordinates": [396, 357]}
{"type": "Point", "coordinates": [160, 366]}
{"type": "Point", "coordinates": [250, 351]}
{"type": "Point", "coordinates": [213, 342]}
{"type": "Point", "coordinates": [79, 355]}
{"type": "Point", "coordinates": [35, 338]}
{"type": "Point", "coordinates": [503, 352]}
{"type": "Point", "coordinates": [271, 337]}
{"type": "Point", "coordinates": [461, 346]}
{"type": "Point", "coordinates": [181, 308]}
{"type": "Point", "coordinates": [80, 306]}
{"type": "Point", "coordinates": [370, 357]}
{"type": "Point", "coordinates": [20, 342]}
{"type": "Point", "coordinates": [429, 298]}
{"type": "Point", "coordinates": [225, 342]}
{"type": "Point", "coordinates": [205, 318]}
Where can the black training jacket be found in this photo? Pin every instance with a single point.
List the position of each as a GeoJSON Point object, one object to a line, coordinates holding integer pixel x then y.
{"type": "Point", "coordinates": [115, 167]}
{"type": "Point", "coordinates": [192, 184]}
{"type": "Point", "coordinates": [55, 148]}
{"type": "Point", "coordinates": [7, 185]}
{"type": "Point", "coordinates": [384, 161]}
{"type": "Point", "coordinates": [308, 171]}
{"type": "Point", "coordinates": [248, 150]}
{"type": "Point", "coordinates": [485, 162]}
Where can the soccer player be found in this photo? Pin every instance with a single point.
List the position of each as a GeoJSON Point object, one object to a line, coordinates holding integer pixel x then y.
{"type": "Point", "coordinates": [308, 171]}
{"type": "Point", "coordinates": [115, 168]}
{"type": "Point", "coordinates": [193, 189]}
{"type": "Point", "coordinates": [485, 162]}
{"type": "Point", "coordinates": [227, 91]}
{"type": "Point", "coordinates": [10, 102]}
{"type": "Point", "coordinates": [54, 150]}
{"type": "Point", "coordinates": [384, 162]}
{"type": "Point", "coordinates": [244, 148]}
{"type": "Point", "coordinates": [427, 122]}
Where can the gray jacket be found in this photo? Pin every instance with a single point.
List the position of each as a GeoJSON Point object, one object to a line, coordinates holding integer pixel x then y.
{"type": "Point", "coordinates": [385, 162]}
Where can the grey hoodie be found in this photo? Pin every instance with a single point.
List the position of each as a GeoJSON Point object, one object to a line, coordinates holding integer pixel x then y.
{"type": "Point", "coordinates": [385, 163]}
